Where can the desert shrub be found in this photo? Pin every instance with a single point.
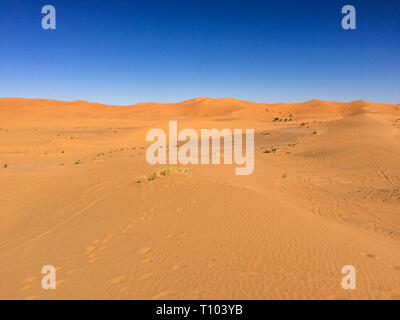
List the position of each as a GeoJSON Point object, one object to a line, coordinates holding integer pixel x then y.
{"type": "Point", "coordinates": [157, 173]}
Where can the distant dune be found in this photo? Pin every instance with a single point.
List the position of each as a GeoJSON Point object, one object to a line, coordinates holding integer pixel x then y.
{"type": "Point", "coordinates": [199, 107]}
{"type": "Point", "coordinates": [75, 193]}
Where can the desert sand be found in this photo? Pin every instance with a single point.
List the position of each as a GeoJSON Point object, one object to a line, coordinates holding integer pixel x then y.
{"type": "Point", "coordinates": [325, 193]}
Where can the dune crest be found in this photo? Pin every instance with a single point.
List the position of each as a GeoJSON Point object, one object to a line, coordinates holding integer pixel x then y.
{"type": "Point", "coordinates": [201, 107]}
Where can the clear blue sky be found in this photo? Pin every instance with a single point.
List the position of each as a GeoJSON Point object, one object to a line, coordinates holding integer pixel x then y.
{"type": "Point", "coordinates": [124, 52]}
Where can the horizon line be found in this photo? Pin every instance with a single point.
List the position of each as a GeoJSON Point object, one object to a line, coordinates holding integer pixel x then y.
{"type": "Point", "coordinates": [191, 99]}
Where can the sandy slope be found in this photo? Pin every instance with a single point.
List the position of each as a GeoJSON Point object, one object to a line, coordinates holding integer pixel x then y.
{"type": "Point", "coordinates": [70, 197]}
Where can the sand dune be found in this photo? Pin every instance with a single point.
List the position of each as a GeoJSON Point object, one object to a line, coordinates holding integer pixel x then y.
{"type": "Point", "coordinates": [328, 196]}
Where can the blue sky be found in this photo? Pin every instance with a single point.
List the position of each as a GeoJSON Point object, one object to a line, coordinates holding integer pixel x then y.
{"type": "Point", "coordinates": [124, 52]}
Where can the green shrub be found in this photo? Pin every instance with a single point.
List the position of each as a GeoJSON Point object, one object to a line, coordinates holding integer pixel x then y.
{"type": "Point", "coordinates": [157, 173]}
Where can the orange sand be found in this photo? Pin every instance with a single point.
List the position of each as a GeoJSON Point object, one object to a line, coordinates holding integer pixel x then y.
{"type": "Point", "coordinates": [70, 197]}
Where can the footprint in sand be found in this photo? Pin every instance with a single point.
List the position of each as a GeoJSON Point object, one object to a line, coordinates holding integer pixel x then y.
{"type": "Point", "coordinates": [72, 271]}
{"type": "Point", "coordinates": [108, 238]}
{"type": "Point", "coordinates": [95, 246]}
{"type": "Point", "coordinates": [92, 256]}
{"type": "Point", "coordinates": [31, 279]}
{"type": "Point", "coordinates": [118, 279]}
{"type": "Point", "coordinates": [176, 267]}
{"type": "Point", "coordinates": [26, 288]}
{"type": "Point", "coordinates": [59, 282]}
{"type": "Point", "coordinates": [145, 250]}
{"type": "Point", "coordinates": [369, 255]}
{"type": "Point", "coordinates": [147, 260]}
{"type": "Point", "coordinates": [128, 227]}
{"type": "Point", "coordinates": [90, 249]}
{"type": "Point", "coordinates": [161, 295]}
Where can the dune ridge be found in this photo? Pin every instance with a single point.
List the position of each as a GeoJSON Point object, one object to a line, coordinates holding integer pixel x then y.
{"type": "Point", "coordinates": [199, 107]}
